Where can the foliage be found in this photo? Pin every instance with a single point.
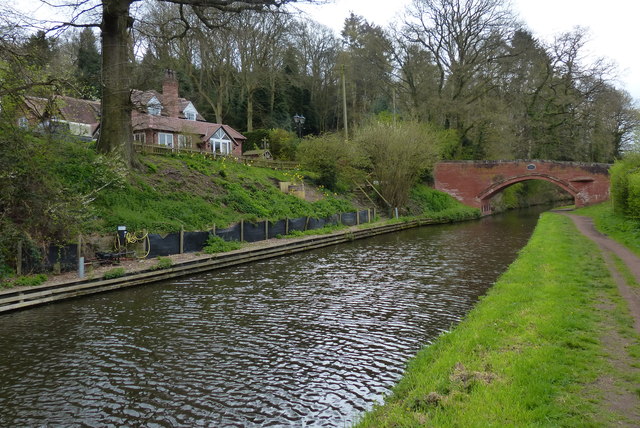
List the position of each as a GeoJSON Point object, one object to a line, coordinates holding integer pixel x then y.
{"type": "Point", "coordinates": [525, 355]}
{"type": "Point", "coordinates": [30, 280]}
{"type": "Point", "coordinates": [625, 186]}
{"type": "Point", "coordinates": [197, 196]}
{"type": "Point", "coordinates": [437, 205]}
{"type": "Point", "coordinates": [114, 273]}
{"type": "Point", "coordinates": [282, 144]}
{"type": "Point", "coordinates": [399, 156]}
{"type": "Point", "coordinates": [215, 244]}
{"type": "Point", "coordinates": [337, 162]}
{"type": "Point", "coordinates": [163, 263]}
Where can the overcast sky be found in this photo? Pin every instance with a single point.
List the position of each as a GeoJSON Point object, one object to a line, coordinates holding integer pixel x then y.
{"type": "Point", "coordinates": [614, 25]}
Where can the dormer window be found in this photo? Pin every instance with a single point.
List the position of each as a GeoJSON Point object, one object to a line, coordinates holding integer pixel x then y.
{"type": "Point", "coordinates": [154, 107]}
{"type": "Point", "coordinates": [190, 112]}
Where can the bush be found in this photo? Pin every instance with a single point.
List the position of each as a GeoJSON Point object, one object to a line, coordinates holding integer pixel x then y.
{"type": "Point", "coordinates": [215, 244]}
{"type": "Point", "coordinates": [30, 280]}
{"type": "Point", "coordinates": [114, 273]}
{"type": "Point", "coordinates": [625, 186]}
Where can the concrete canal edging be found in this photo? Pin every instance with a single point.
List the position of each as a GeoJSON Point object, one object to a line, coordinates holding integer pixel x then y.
{"type": "Point", "coordinates": [11, 300]}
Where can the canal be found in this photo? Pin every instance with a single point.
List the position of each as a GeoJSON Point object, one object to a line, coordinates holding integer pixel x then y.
{"type": "Point", "coordinates": [312, 339]}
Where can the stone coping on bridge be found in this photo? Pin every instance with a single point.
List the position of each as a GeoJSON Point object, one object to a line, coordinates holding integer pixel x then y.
{"type": "Point", "coordinates": [502, 161]}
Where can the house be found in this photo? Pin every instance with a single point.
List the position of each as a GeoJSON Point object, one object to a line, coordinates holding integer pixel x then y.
{"type": "Point", "coordinates": [168, 120]}
{"type": "Point", "coordinates": [62, 114]}
{"type": "Point", "coordinates": [157, 119]}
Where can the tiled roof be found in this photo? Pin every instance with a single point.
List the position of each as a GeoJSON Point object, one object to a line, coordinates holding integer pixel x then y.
{"type": "Point", "coordinates": [173, 124]}
{"type": "Point", "coordinates": [67, 108]}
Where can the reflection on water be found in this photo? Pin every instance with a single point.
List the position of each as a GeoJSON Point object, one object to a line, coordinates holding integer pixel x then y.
{"type": "Point", "coordinates": [310, 339]}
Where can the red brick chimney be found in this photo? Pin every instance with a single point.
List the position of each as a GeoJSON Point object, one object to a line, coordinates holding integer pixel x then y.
{"type": "Point", "coordinates": [170, 94]}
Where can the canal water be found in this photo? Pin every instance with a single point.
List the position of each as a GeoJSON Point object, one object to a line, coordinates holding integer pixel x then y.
{"type": "Point", "coordinates": [312, 339]}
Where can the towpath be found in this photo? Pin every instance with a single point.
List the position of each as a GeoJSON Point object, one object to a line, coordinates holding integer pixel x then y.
{"type": "Point", "coordinates": [618, 390]}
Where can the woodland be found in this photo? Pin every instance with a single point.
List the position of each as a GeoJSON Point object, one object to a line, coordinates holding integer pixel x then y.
{"type": "Point", "coordinates": [451, 80]}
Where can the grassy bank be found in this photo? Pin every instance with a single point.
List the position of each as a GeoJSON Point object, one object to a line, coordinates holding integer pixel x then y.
{"type": "Point", "coordinates": [529, 354]}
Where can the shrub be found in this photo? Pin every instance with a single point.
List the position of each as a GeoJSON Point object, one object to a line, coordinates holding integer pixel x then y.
{"type": "Point", "coordinates": [30, 280]}
{"type": "Point", "coordinates": [624, 198]}
{"type": "Point", "coordinates": [215, 244]}
{"type": "Point", "coordinates": [114, 273]}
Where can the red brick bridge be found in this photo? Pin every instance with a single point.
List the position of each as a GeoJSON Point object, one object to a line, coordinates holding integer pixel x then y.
{"type": "Point", "coordinates": [474, 183]}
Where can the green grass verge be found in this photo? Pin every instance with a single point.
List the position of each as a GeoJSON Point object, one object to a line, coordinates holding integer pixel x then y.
{"type": "Point", "coordinates": [525, 356]}
{"type": "Point", "coordinates": [624, 230]}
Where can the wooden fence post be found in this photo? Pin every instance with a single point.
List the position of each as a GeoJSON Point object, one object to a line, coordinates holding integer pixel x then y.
{"type": "Point", "coordinates": [266, 230]}
{"type": "Point", "coordinates": [182, 239]}
{"type": "Point", "coordinates": [286, 226]}
{"type": "Point", "coordinates": [242, 230]}
{"type": "Point", "coordinates": [357, 218]}
{"type": "Point", "coordinates": [19, 259]}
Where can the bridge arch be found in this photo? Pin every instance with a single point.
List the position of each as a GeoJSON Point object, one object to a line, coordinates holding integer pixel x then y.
{"type": "Point", "coordinates": [497, 187]}
{"type": "Point", "coordinates": [474, 183]}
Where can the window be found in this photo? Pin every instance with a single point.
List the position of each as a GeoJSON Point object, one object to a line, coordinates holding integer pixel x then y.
{"type": "Point", "coordinates": [140, 137]}
{"type": "Point", "coordinates": [220, 142]}
{"type": "Point", "coordinates": [154, 107]}
{"type": "Point", "coordinates": [165, 139]}
{"type": "Point", "coordinates": [190, 112]}
{"type": "Point", "coordinates": [23, 122]}
{"type": "Point", "coordinates": [184, 141]}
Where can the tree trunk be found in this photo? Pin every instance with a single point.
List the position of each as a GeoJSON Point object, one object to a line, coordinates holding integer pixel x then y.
{"type": "Point", "coordinates": [115, 115]}
{"type": "Point", "coordinates": [249, 110]}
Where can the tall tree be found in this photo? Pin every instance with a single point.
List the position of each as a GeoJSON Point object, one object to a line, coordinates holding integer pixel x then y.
{"type": "Point", "coordinates": [89, 62]}
{"type": "Point", "coordinates": [116, 22]}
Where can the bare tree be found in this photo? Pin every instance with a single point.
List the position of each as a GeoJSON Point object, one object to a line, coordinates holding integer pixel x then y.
{"type": "Point", "coordinates": [463, 37]}
{"type": "Point", "coordinates": [116, 22]}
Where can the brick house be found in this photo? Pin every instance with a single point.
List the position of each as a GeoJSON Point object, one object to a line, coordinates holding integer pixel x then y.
{"type": "Point", "coordinates": [168, 120]}
{"type": "Point", "coordinates": [157, 118]}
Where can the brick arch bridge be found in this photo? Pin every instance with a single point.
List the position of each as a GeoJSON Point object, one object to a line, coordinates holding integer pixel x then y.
{"type": "Point", "coordinates": [474, 183]}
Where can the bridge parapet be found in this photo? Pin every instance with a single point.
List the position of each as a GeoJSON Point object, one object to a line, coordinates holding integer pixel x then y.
{"type": "Point", "coordinates": [474, 183]}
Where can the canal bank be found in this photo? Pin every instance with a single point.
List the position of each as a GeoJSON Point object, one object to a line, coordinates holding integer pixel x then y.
{"type": "Point", "coordinates": [551, 344]}
{"type": "Point", "coordinates": [308, 340]}
{"type": "Point", "coordinates": [145, 272]}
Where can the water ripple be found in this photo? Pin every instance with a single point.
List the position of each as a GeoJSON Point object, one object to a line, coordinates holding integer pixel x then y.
{"type": "Point", "coordinates": [307, 340]}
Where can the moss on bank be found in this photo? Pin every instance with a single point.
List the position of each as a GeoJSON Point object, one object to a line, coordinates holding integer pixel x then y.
{"type": "Point", "coordinates": [526, 355]}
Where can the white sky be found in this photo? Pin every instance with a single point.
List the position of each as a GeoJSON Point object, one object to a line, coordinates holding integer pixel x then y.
{"type": "Point", "coordinates": [614, 25]}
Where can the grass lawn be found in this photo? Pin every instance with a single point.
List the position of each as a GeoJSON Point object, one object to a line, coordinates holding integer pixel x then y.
{"type": "Point", "coordinates": [530, 354]}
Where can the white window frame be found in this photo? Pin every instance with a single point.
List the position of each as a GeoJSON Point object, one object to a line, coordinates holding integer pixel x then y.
{"type": "Point", "coordinates": [220, 142]}
{"type": "Point", "coordinates": [154, 107]}
{"type": "Point", "coordinates": [190, 112]}
{"type": "Point", "coordinates": [165, 139]}
{"type": "Point", "coordinates": [23, 122]}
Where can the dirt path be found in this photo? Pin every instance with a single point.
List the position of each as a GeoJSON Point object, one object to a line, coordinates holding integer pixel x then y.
{"type": "Point", "coordinates": [608, 247]}
{"type": "Point", "coordinates": [620, 396]}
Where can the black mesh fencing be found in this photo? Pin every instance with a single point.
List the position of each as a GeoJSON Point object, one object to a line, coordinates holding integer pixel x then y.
{"type": "Point", "coordinates": [254, 232]}
{"type": "Point", "coordinates": [349, 219]}
{"type": "Point", "coordinates": [195, 241]}
{"type": "Point", "coordinates": [230, 233]}
{"type": "Point", "coordinates": [277, 228]}
{"type": "Point", "coordinates": [298, 224]}
{"type": "Point", "coordinates": [332, 220]}
{"type": "Point", "coordinates": [316, 223]}
{"type": "Point", "coordinates": [364, 216]}
{"type": "Point", "coordinates": [163, 246]}
{"type": "Point", "coordinates": [34, 260]}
